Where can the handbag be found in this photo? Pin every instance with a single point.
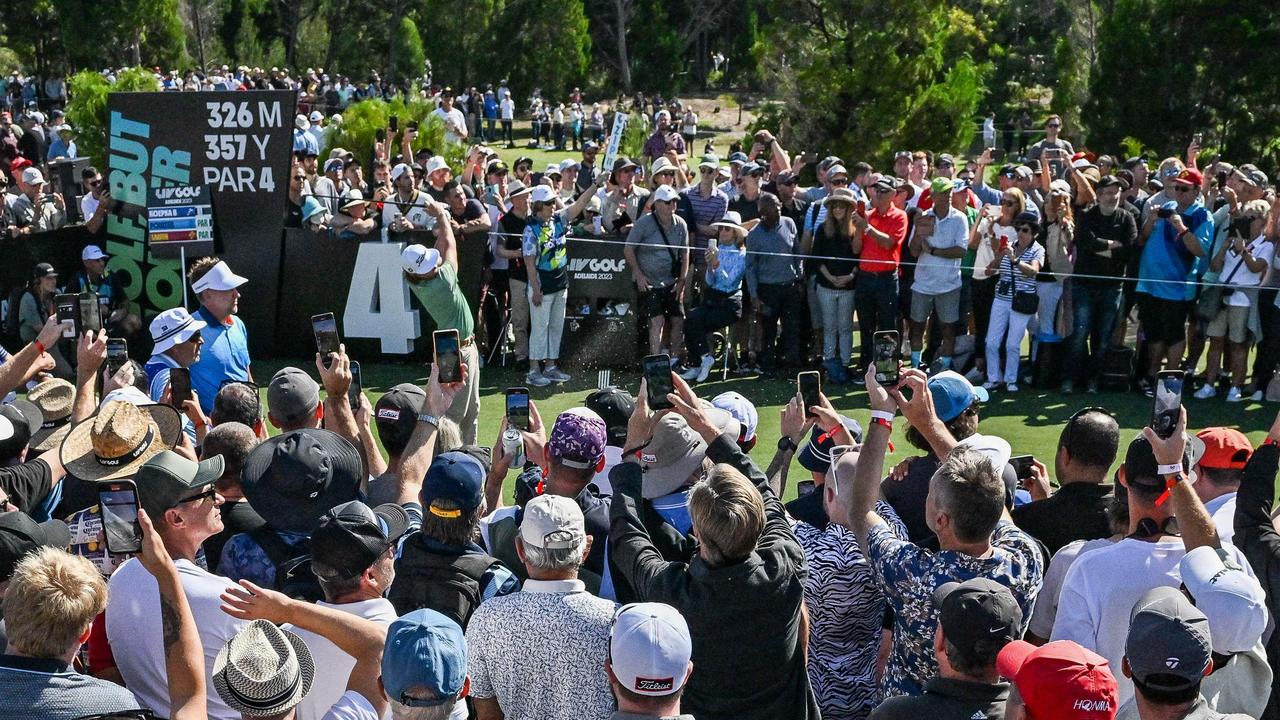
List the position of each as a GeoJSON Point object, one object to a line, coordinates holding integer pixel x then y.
{"type": "Point", "coordinates": [1213, 297]}
{"type": "Point", "coordinates": [1025, 302]}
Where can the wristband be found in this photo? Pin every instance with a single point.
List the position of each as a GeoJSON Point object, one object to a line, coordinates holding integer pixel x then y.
{"type": "Point", "coordinates": [1270, 441]}
{"type": "Point", "coordinates": [1173, 469]}
{"type": "Point", "coordinates": [429, 418]}
{"type": "Point", "coordinates": [40, 348]}
{"type": "Point", "coordinates": [881, 421]}
{"type": "Point", "coordinates": [881, 415]}
{"type": "Point", "coordinates": [1169, 483]}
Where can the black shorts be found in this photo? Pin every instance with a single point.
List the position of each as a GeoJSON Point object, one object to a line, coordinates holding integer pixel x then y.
{"type": "Point", "coordinates": [1163, 321]}
{"type": "Point", "coordinates": [661, 302]}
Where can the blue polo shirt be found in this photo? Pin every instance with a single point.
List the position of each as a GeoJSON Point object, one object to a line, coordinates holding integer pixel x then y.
{"type": "Point", "coordinates": [157, 370]}
{"type": "Point", "coordinates": [224, 356]}
{"type": "Point", "coordinates": [1165, 257]}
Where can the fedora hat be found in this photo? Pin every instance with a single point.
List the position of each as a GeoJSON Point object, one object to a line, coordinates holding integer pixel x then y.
{"type": "Point", "coordinates": [54, 397]}
{"type": "Point", "coordinates": [263, 671]}
{"type": "Point", "coordinates": [295, 478]}
{"type": "Point", "coordinates": [118, 439]}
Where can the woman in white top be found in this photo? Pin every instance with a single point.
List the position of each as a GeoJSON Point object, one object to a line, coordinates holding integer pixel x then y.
{"type": "Point", "coordinates": [994, 224]}
{"type": "Point", "coordinates": [1015, 265]}
{"type": "Point", "coordinates": [1242, 266]}
{"type": "Point", "coordinates": [1059, 242]}
{"type": "Point", "coordinates": [689, 127]}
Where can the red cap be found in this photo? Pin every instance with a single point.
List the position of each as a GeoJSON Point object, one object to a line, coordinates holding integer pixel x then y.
{"type": "Point", "coordinates": [1060, 680]}
{"type": "Point", "coordinates": [1224, 448]}
{"type": "Point", "coordinates": [18, 164]}
{"type": "Point", "coordinates": [1191, 176]}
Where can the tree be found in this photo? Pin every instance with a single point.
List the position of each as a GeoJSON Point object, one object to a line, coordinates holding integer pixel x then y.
{"type": "Point", "coordinates": [461, 45]}
{"type": "Point", "coordinates": [125, 32]}
{"type": "Point", "coordinates": [407, 57]}
{"type": "Point", "coordinates": [549, 44]}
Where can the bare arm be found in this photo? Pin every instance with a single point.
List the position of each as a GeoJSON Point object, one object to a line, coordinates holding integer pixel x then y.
{"type": "Point", "coordinates": [90, 354]}
{"type": "Point", "coordinates": [1194, 521]}
{"type": "Point", "coordinates": [795, 425]}
{"type": "Point", "coordinates": [364, 422]}
{"type": "Point", "coordinates": [487, 709]}
{"type": "Point", "coordinates": [918, 410]}
{"type": "Point", "coordinates": [183, 654]}
{"type": "Point", "coordinates": [420, 450]}
{"type": "Point", "coordinates": [30, 359]}
{"type": "Point", "coordinates": [445, 241]}
{"type": "Point", "coordinates": [864, 488]}
{"type": "Point", "coordinates": [337, 409]}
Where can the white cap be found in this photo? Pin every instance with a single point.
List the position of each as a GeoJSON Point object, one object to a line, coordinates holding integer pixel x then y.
{"type": "Point", "coordinates": [566, 164]}
{"type": "Point", "coordinates": [399, 170]}
{"type": "Point", "coordinates": [316, 116]}
{"type": "Point", "coordinates": [741, 409]}
{"type": "Point", "coordinates": [1233, 601]}
{"type": "Point", "coordinates": [542, 193]}
{"type": "Point", "coordinates": [1060, 187]}
{"type": "Point", "coordinates": [552, 169]}
{"type": "Point", "coordinates": [173, 327]}
{"type": "Point", "coordinates": [649, 649]}
{"type": "Point", "coordinates": [434, 163]}
{"type": "Point", "coordinates": [130, 394]}
{"type": "Point", "coordinates": [219, 277]}
{"type": "Point", "coordinates": [32, 176]}
{"type": "Point", "coordinates": [301, 122]}
{"type": "Point", "coordinates": [665, 193]}
{"type": "Point", "coordinates": [996, 449]}
{"type": "Point", "coordinates": [92, 252]}
{"type": "Point", "coordinates": [419, 259]}
{"type": "Point", "coordinates": [552, 522]}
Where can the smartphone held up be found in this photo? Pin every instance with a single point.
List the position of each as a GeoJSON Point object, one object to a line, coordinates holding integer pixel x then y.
{"type": "Point", "coordinates": [658, 384]}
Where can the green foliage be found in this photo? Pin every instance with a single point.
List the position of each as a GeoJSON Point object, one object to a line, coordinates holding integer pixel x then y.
{"type": "Point", "coordinates": [633, 138]}
{"type": "Point", "coordinates": [549, 46]}
{"type": "Point", "coordinates": [407, 57]}
{"type": "Point", "coordinates": [122, 32]}
{"type": "Point", "coordinates": [87, 109]}
{"type": "Point", "coordinates": [461, 44]}
{"type": "Point", "coordinates": [361, 122]}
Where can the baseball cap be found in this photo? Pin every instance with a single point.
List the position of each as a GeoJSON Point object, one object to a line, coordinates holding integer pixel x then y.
{"type": "Point", "coordinates": [567, 164]}
{"type": "Point", "coordinates": [622, 163]}
{"type": "Point", "coordinates": [741, 410]}
{"type": "Point", "coordinates": [577, 438]}
{"type": "Point", "coordinates": [19, 421]}
{"type": "Point", "coordinates": [1224, 448]}
{"type": "Point", "coordinates": [752, 168]}
{"type": "Point", "coordinates": [436, 163]}
{"type": "Point", "coordinates": [315, 116]}
{"type": "Point", "coordinates": [1230, 599]}
{"type": "Point", "coordinates": [649, 649]}
{"type": "Point", "coordinates": [815, 456]}
{"type": "Point", "coordinates": [1060, 187]}
{"type": "Point", "coordinates": [552, 522]}
{"type": "Point", "coordinates": [334, 165]}
{"type": "Point", "coordinates": [292, 393]}
{"type": "Point", "coordinates": [515, 187]}
{"type": "Point", "coordinates": [419, 259]}
{"type": "Point", "coordinates": [977, 610]}
{"type": "Point", "coordinates": [425, 654]}
{"type": "Point", "coordinates": [19, 535]}
{"type": "Point", "coordinates": [665, 193]}
{"type": "Point", "coordinates": [219, 277]}
{"type": "Point", "coordinates": [1189, 176]}
{"type": "Point", "coordinates": [737, 158]}
{"type": "Point", "coordinates": [953, 394]}
{"type": "Point", "coordinates": [400, 170]}
{"type": "Point", "coordinates": [709, 161]}
{"type": "Point", "coordinates": [543, 194]}
{"type": "Point", "coordinates": [940, 185]}
{"type": "Point", "coordinates": [1140, 464]}
{"type": "Point", "coordinates": [614, 406]}
{"type": "Point", "coordinates": [886, 182]}
{"type": "Point", "coordinates": [1168, 646]}
{"type": "Point", "coordinates": [352, 536]}
{"type": "Point", "coordinates": [457, 477]}
{"type": "Point", "coordinates": [164, 480]}
{"type": "Point", "coordinates": [173, 327]}
{"type": "Point", "coordinates": [396, 413]}
{"type": "Point", "coordinates": [92, 252]}
{"type": "Point", "coordinates": [32, 176]}
{"type": "Point", "coordinates": [671, 456]}
{"type": "Point", "coordinates": [1115, 180]}
{"type": "Point", "coordinates": [1060, 680]}
{"type": "Point", "coordinates": [44, 270]}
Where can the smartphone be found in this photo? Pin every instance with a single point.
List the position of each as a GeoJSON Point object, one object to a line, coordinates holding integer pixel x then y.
{"type": "Point", "coordinates": [413, 125]}
{"type": "Point", "coordinates": [380, 135]}
{"type": "Point", "coordinates": [809, 385]}
{"type": "Point", "coordinates": [887, 349]}
{"type": "Point", "coordinates": [357, 387]}
{"type": "Point", "coordinates": [1164, 213]}
{"type": "Point", "coordinates": [90, 314]}
{"type": "Point", "coordinates": [67, 308]}
{"type": "Point", "coordinates": [805, 487]}
{"type": "Point", "coordinates": [1164, 416]}
{"type": "Point", "coordinates": [518, 408]}
{"type": "Point", "coordinates": [118, 500]}
{"type": "Point", "coordinates": [1004, 243]}
{"type": "Point", "coordinates": [657, 376]}
{"type": "Point", "coordinates": [448, 356]}
{"type": "Point", "coordinates": [393, 123]}
{"type": "Point", "coordinates": [117, 355]}
{"type": "Point", "coordinates": [997, 154]}
{"type": "Point", "coordinates": [1022, 466]}
{"type": "Point", "coordinates": [862, 208]}
{"type": "Point", "coordinates": [179, 386]}
{"type": "Point", "coordinates": [325, 328]}
{"type": "Point", "coordinates": [1198, 138]}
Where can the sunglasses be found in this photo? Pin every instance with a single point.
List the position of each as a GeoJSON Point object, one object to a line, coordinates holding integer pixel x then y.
{"type": "Point", "coordinates": [299, 178]}
{"type": "Point", "coordinates": [95, 183]}
{"type": "Point", "coordinates": [1008, 201]}
{"type": "Point", "coordinates": [198, 498]}
{"type": "Point", "coordinates": [1026, 229]}
{"type": "Point", "coordinates": [840, 181]}
{"type": "Point", "coordinates": [1054, 125]}
{"type": "Point", "coordinates": [1182, 188]}
{"type": "Point", "coordinates": [707, 171]}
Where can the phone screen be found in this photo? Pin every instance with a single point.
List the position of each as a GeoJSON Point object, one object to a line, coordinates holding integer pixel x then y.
{"type": "Point", "coordinates": [353, 393]}
{"type": "Point", "coordinates": [117, 355]}
{"type": "Point", "coordinates": [325, 328]}
{"type": "Point", "coordinates": [887, 357]}
{"type": "Point", "coordinates": [120, 528]}
{"type": "Point", "coordinates": [67, 309]}
{"type": "Point", "coordinates": [448, 356]}
{"type": "Point", "coordinates": [179, 386]}
{"type": "Point", "coordinates": [657, 375]}
{"type": "Point", "coordinates": [90, 313]}
{"type": "Point", "coordinates": [1022, 465]}
{"type": "Point", "coordinates": [805, 487]}
{"type": "Point", "coordinates": [393, 123]}
{"type": "Point", "coordinates": [518, 408]}
{"type": "Point", "coordinates": [809, 385]}
{"type": "Point", "coordinates": [1164, 416]}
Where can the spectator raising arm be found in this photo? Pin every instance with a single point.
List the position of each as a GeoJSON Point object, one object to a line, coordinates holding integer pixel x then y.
{"type": "Point", "coordinates": [183, 654]}
{"type": "Point", "coordinates": [865, 483]}
{"type": "Point", "coordinates": [32, 359]}
{"type": "Point", "coordinates": [91, 352]}
{"type": "Point", "coordinates": [1195, 524]}
{"type": "Point", "coordinates": [421, 446]}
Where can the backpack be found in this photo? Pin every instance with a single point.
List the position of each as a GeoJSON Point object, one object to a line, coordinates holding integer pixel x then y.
{"type": "Point", "coordinates": [294, 576]}
{"type": "Point", "coordinates": [1117, 369]}
{"type": "Point", "coordinates": [448, 584]}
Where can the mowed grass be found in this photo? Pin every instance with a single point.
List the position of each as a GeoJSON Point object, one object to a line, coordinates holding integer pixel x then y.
{"type": "Point", "coordinates": [1031, 420]}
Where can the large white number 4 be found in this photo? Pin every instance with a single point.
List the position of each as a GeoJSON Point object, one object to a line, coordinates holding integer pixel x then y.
{"type": "Point", "coordinates": [378, 301]}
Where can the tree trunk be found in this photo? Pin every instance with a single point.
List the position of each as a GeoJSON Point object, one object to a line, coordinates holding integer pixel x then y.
{"type": "Point", "coordinates": [624, 61]}
{"type": "Point", "coordinates": [196, 6]}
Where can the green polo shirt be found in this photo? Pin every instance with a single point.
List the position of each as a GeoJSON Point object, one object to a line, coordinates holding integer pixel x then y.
{"type": "Point", "coordinates": [442, 297]}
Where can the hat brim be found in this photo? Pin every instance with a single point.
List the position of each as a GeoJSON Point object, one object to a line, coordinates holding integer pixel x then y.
{"type": "Point", "coordinates": [300, 514]}
{"type": "Point", "coordinates": [188, 332]}
{"type": "Point", "coordinates": [306, 670]}
{"type": "Point", "coordinates": [658, 482]}
{"type": "Point", "coordinates": [76, 452]}
{"type": "Point", "coordinates": [396, 519]}
{"type": "Point", "coordinates": [50, 438]}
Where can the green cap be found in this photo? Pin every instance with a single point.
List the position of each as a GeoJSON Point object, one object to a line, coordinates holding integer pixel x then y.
{"type": "Point", "coordinates": [164, 480]}
{"type": "Point", "coordinates": [941, 185]}
{"type": "Point", "coordinates": [709, 160]}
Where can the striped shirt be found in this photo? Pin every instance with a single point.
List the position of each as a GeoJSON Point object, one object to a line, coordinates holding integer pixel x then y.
{"type": "Point", "coordinates": [705, 210]}
{"type": "Point", "coordinates": [1021, 282]}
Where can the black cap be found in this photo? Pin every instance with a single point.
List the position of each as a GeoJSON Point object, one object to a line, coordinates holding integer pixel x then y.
{"type": "Point", "coordinates": [621, 163]}
{"type": "Point", "coordinates": [44, 270]}
{"type": "Point", "coordinates": [481, 453]}
{"type": "Point", "coordinates": [1141, 468]}
{"type": "Point", "coordinates": [352, 536]}
{"type": "Point", "coordinates": [1027, 218]}
{"type": "Point", "coordinates": [976, 610]}
{"type": "Point", "coordinates": [1107, 181]}
{"type": "Point", "coordinates": [615, 407]}
{"type": "Point", "coordinates": [396, 413]}
{"type": "Point", "coordinates": [19, 535]}
{"type": "Point", "coordinates": [19, 421]}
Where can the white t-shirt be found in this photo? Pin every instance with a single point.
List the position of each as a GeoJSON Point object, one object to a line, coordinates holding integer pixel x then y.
{"type": "Point", "coordinates": [454, 124]}
{"type": "Point", "coordinates": [508, 108]}
{"type": "Point", "coordinates": [1223, 510]}
{"type": "Point", "coordinates": [1261, 249]}
{"type": "Point", "coordinates": [1046, 610]}
{"type": "Point", "coordinates": [350, 706]}
{"type": "Point", "coordinates": [88, 206]}
{"type": "Point", "coordinates": [1102, 586]}
{"type": "Point", "coordinates": [689, 124]}
{"type": "Point", "coordinates": [985, 253]}
{"type": "Point", "coordinates": [136, 636]}
{"type": "Point", "coordinates": [937, 275]}
{"type": "Point", "coordinates": [333, 667]}
{"type": "Point", "coordinates": [612, 458]}
{"type": "Point", "coordinates": [415, 210]}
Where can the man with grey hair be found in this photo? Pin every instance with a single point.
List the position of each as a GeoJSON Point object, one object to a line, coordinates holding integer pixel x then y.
{"type": "Point", "coordinates": [551, 623]}
{"type": "Point", "coordinates": [231, 441]}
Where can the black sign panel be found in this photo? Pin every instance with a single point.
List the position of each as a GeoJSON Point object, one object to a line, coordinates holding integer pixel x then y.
{"type": "Point", "coordinates": [598, 270]}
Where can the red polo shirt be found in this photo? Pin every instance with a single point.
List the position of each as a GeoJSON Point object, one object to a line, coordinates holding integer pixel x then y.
{"type": "Point", "coordinates": [874, 257]}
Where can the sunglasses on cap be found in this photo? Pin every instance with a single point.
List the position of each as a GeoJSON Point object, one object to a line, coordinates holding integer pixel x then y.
{"type": "Point", "coordinates": [1071, 421]}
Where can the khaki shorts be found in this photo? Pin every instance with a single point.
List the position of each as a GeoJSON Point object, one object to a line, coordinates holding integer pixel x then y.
{"type": "Point", "coordinates": [1232, 322]}
{"type": "Point", "coordinates": [947, 304]}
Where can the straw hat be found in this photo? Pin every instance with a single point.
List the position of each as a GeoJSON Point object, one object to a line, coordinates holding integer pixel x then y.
{"type": "Point", "coordinates": [54, 397]}
{"type": "Point", "coordinates": [263, 671]}
{"type": "Point", "coordinates": [118, 439]}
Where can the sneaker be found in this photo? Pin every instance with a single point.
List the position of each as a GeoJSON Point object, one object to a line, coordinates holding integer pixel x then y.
{"type": "Point", "coordinates": [989, 385]}
{"type": "Point", "coordinates": [536, 379]}
{"type": "Point", "coordinates": [1256, 396]}
{"type": "Point", "coordinates": [1206, 391]}
{"type": "Point", "coordinates": [1234, 396]}
{"type": "Point", "coordinates": [1011, 387]}
{"type": "Point", "coordinates": [691, 374]}
{"type": "Point", "coordinates": [743, 370]}
{"type": "Point", "coordinates": [555, 375]}
{"type": "Point", "coordinates": [1147, 387]}
{"type": "Point", "coordinates": [1068, 387]}
{"type": "Point", "coordinates": [704, 370]}
{"type": "Point", "coordinates": [974, 375]}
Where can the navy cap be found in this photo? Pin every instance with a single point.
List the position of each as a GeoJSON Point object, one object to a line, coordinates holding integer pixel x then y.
{"type": "Point", "coordinates": [456, 477]}
{"type": "Point", "coordinates": [816, 454]}
{"type": "Point", "coordinates": [424, 663]}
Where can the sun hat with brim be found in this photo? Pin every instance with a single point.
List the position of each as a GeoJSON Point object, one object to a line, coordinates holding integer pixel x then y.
{"type": "Point", "coordinates": [670, 457]}
{"type": "Point", "coordinates": [353, 198]}
{"type": "Point", "coordinates": [54, 397]}
{"type": "Point", "coordinates": [263, 670]}
{"type": "Point", "coordinates": [311, 207]}
{"type": "Point", "coordinates": [842, 195]}
{"type": "Point", "coordinates": [293, 479]}
{"type": "Point", "coordinates": [116, 441]}
{"type": "Point", "coordinates": [732, 220]}
{"type": "Point", "coordinates": [173, 327]}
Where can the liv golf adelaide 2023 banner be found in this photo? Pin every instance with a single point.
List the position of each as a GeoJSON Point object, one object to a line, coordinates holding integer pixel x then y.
{"type": "Point", "coordinates": [235, 144]}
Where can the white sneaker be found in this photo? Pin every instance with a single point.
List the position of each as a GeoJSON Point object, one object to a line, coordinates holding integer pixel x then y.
{"type": "Point", "coordinates": [1233, 395]}
{"type": "Point", "coordinates": [537, 379]}
{"type": "Point", "coordinates": [1256, 396]}
{"type": "Point", "coordinates": [990, 385]}
{"type": "Point", "coordinates": [556, 375]}
{"type": "Point", "coordinates": [1206, 391]}
{"type": "Point", "coordinates": [1011, 387]}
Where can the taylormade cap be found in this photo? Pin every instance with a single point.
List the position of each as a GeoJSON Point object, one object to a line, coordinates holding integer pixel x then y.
{"type": "Point", "coordinates": [1168, 646]}
{"type": "Point", "coordinates": [649, 649]}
